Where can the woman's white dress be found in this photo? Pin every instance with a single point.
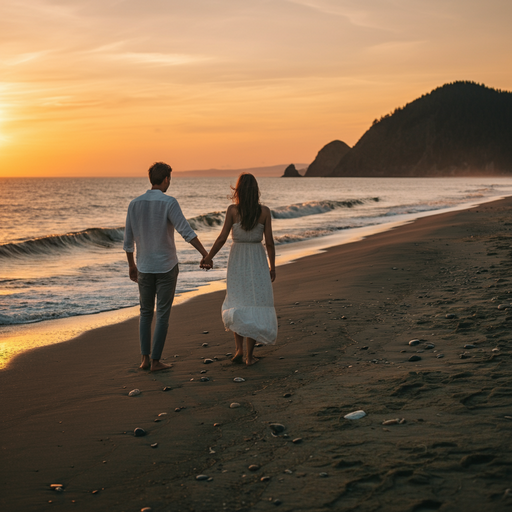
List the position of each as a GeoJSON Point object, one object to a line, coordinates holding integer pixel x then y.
{"type": "Point", "coordinates": [248, 308]}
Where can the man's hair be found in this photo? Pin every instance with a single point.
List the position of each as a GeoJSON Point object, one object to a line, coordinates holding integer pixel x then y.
{"type": "Point", "coordinates": [158, 172]}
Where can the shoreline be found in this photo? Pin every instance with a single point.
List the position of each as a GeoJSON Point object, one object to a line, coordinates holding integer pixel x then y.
{"type": "Point", "coordinates": [346, 316]}
{"type": "Point", "coordinates": [17, 339]}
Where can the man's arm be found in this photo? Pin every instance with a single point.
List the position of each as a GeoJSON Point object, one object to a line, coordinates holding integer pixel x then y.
{"type": "Point", "coordinates": [199, 246]}
{"type": "Point", "coordinates": [132, 267]}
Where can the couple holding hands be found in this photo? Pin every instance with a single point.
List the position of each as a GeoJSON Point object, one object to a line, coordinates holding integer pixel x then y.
{"type": "Point", "coordinates": [248, 309]}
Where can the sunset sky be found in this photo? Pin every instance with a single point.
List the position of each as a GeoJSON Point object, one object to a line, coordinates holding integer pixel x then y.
{"type": "Point", "coordinates": [106, 87]}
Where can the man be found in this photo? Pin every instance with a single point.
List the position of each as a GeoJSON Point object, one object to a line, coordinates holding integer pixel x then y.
{"type": "Point", "coordinates": [150, 224]}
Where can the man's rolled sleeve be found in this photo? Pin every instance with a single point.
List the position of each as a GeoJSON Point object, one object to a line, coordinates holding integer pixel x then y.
{"type": "Point", "coordinates": [180, 223]}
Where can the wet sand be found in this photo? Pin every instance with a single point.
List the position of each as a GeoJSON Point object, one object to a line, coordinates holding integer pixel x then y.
{"type": "Point", "coordinates": [345, 319]}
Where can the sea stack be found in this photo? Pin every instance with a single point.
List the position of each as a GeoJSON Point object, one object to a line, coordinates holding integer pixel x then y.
{"type": "Point", "coordinates": [291, 172]}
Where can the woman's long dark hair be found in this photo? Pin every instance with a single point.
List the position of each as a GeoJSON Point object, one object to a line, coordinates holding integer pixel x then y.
{"type": "Point", "coordinates": [246, 196]}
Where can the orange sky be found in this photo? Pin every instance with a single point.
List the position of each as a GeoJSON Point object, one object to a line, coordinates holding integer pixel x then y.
{"type": "Point", "coordinates": [106, 87]}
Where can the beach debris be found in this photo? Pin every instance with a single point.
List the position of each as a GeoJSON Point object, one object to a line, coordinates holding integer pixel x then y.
{"type": "Point", "coordinates": [204, 345]}
{"type": "Point", "coordinates": [208, 361]}
{"type": "Point", "coordinates": [167, 388]}
{"type": "Point", "coordinates": [394, 421]}
{"type": "Point", "coordinates": [297, 440]}
{"type": "Point", "coordinates": [264, 479]}
{"type": "Point", "coordinates": [277, 428]}
{"type": "Point", "coordinates": [356, 415]}
{"type": "Point", "coordinates": [415, 358]}
{"type": "Point", "coordinates": [205, 332]}
{"type": "Point", "coordinates": [234, 405]}
{"type": "Point", "coordinates": [323, 474]}
{"type": "Point", "coordinates": [402, 421]}
{"type": "Point", "coordinates": [254, 467]}
{"type": "Point", "coordinates": [154, 445]}
{"type": "Point", "coordinates": [202, 477]}
{"type": "Point", "coordinates": [139, 432]}
{"type": "Point", "coordinates": [414, 342]}
{"type": "Point", "coordinates": [440, 356]}
{"type": "Point", "coordinates": [429, 346]}
{"type": "Point", "coordinates": [496, 349]}
{"type": "Point", "coordinates": [134, 392]}
{"type": "Point", "coordinates": [504, 306]}
{"type": "Point", "coordinates": [469, 345]}
{"type": "Point", "coordinates": [450, 316]}
{"type": "Point", "coordinates": [238, 379]}
{"type": "Point", "coordinates": [212, 451]}
{"type": "Point", "coordinates": [205, 379]}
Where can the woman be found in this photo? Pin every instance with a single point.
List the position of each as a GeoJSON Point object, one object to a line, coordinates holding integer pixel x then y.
{"type": "Point", "coordinates": [248, 309]}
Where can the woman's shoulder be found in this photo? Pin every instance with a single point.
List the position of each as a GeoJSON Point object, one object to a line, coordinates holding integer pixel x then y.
{"type": "Point", "coordinates": [265, 214]}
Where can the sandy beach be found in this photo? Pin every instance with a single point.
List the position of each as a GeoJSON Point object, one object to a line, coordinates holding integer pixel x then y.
{"type": "Point", "coordinates": [346, 318]}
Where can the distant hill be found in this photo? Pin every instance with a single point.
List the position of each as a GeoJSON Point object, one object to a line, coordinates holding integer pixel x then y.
{"type": "Point", "coordinates": [273, 171]}
{"type": "Point", "coordinates": [459, 129]}
{"type": "Point", "coordinates": [327, 159]}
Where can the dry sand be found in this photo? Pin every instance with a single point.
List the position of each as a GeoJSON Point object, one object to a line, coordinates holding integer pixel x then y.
{"type": "Point", "coordinates": [346, 317]}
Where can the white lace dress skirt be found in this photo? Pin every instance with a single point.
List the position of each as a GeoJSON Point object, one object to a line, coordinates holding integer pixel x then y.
{"type": "Point", "coordinates": [248, 308]}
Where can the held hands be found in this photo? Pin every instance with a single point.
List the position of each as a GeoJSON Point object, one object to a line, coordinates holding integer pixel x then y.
{"type": "Point", "coordinates": [206, 263]}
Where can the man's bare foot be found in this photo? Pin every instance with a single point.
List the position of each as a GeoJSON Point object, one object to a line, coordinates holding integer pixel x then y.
{"type": "Point", "coordinates": [251, 361]}
{"type": "Point", "coordinates": [145, 364]}
{"type": "Point", "coordinates": [157, 366]}
{"type": "Point", "coordinates": [238, 358]}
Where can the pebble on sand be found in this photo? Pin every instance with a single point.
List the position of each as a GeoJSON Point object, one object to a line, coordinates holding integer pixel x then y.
{"type": "Point", "coordinates": [394, 421]}
{"type": "Point", "coordinates": [323, 475]}
{"type": "Point", "coordinates": [504, 306]}
{"type": "Point", "coordinates": [163, 414]}
{"type": "Point", "coordinates": [57, 487]}
{"type": "Point", "coordinates": [440, 356]}
{"type": "Point", "coordinates": [415, 358]}
{"type": "Point", "coordinates": [264, 479]}
{"type": "Point", "coordinates": [154, 445]}
{"type": "Point", "coordinates": [134, 392]}
{"type": "Point", "coordinates": [167, 388]}
{"type": "Point", "coordinates": [413, 343]}
{"type": "Point", "coordinates": [277, 428]}
{"type": "Point", "coordinates": [205, 332]}
{"type": "Point", "coordinates": [356, 415]}
{"type": "Point", "coordinates": [208, 361]}
{"type": "Point", "coordinates": [217, 424]}
{"type": "Point", "coordinates": [146, 509]}
{"type": "Point", "coordinates": [202, 477]}
{"type": "Point", "coordinates": [254, 467]}
{"type": "Point", "coordinates": [205, 379]}
{"type": "Point", "coordinates": [139, 432]}
{"type": "Point", "coordinates": [238, 379]}
{"type": "Point", "coordinates": [297, 440]}
{"type": "Point", "coordinates": [234, 405]}
{"type": "Point", "coordinates": [450, 316]}
{"type": "Point", "coordinates": [204, 345]}
{"type": "Point", "coordinates": [429, 346]}
{"type": "Point", "coordinates": [469, 345]}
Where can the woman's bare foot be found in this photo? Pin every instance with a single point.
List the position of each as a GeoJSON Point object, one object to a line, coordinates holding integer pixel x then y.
{"type": "Point", "coordinates": [157, 366]}
{"type": "Point", "coordinates": [238, 358]}
{"type": "Point", "coordinates": [251, 361]}
{"type": "Point", "coordinates": [145, 364]}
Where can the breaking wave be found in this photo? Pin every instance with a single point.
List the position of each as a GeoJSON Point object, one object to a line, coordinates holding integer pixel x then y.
{"type": "Point", "coordinates": [294, 211]}
{"type": "Point", "coordinates": [100, 237]}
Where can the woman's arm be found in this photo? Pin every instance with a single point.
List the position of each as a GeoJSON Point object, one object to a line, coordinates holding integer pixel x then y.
{"type": "Point", "coordinates": [269, 242]}
{"type": "Point", "coordinates": [221, 239]}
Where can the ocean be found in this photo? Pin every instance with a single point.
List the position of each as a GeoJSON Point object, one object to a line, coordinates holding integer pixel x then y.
{"type": "Point", "coordinates": [61, 240]}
